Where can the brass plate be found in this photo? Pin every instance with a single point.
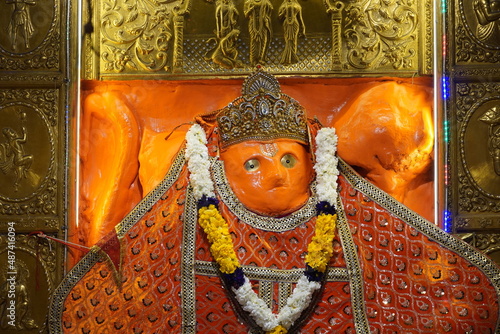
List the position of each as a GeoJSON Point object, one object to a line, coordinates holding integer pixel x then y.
{"type": "Point", "coordinates": [175, 38]}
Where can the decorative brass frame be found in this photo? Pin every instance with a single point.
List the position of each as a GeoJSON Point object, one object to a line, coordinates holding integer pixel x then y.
{"type": "Point", "coordinates": [329, 38]}
{"type": "Point", "coordinates": [469, 87]}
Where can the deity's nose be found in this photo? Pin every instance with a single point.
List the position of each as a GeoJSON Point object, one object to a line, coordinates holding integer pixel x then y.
{"type": "Point", "coordinates": [277, 176]}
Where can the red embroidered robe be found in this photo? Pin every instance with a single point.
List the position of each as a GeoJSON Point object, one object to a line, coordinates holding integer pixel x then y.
{"type": "Point", "coordinates": [393, 272]}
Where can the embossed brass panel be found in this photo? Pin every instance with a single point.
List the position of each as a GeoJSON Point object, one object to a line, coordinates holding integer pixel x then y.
{"type": "Point", "coordinates": [473, 114]}
{"type": "Point", "coordinates": [477, 174]}
{"type": "Point", "coordinates": [33, 155]}
{"type": "Point", "coordinates": [27, 284]}
{"type": "Point", "coordinates": [31, 35]}
{"type": "Point", "coordinates": [29, 120]}
{"type": "Point", "coordinates": [477, 32]}
{"type": "Point", "coordinates": [179, 38]}
{"type": "Point", "coordinates": [32, 170]}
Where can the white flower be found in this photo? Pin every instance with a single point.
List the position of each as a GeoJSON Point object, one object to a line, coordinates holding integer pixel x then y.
{"type": "Point", "coordinates": [263, 316]}
{"type": "Point", "coordinates": [256, 307]}
{"type": "Point", "coordinates": [326, 165]}
{"type": "Point", "coordinates": [297, 302]}
{"type": "Point", "coordinates": [198, 162]}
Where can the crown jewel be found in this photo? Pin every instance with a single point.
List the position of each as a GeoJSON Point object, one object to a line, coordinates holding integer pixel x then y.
{"type": "Point", "coordinates": [263, 112]}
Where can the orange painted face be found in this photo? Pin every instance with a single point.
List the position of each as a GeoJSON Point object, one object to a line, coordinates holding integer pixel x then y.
{"type": "Point", "coordinates": [270, 178]}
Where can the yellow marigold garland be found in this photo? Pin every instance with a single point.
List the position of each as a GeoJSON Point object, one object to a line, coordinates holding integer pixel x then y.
{"type": "Point", "coordinates": [221, 244]}
{"type": "Point", "coordinates": [320, 249]}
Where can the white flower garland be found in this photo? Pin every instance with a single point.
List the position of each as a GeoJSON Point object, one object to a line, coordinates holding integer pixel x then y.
{"type": "Point", "coordinates": [298, 301]}
{"type": "Point", "coordinates": [255, 306]}
{"type": "Point", "coordinates": [326, 165]}
{"type": "Point", "coordinates": [198, 162]}
{"type": "Point", "coordinates": [326, 175]}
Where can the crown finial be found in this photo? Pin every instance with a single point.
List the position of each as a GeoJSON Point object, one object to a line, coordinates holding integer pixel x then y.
{"type": "Point", "coordinates": [262, 113]}
{"type": "Point", "coordinates": [260, 82]}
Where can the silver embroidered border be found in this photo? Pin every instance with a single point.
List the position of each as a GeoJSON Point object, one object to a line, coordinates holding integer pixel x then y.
{"type": "Point", "coordinates": [265, 223]}
{"type": "Point", "coordinates": [88, 261]}
{"type": "Point", "coordinates": [266, 293]}
{"type": "Point", "coordinates": [188, 280]}
{"type": "Point", "coordinates": [284, 290]}
{"type": "Point", "coordinates": [154, 196]}
{"type": "Point", "coordinates": [334, 274]}
{"type": "Point", "coordinates": [354, 271]}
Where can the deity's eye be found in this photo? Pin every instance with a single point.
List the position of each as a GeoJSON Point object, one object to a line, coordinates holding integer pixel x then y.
{"type": "Point", "coordinates": [252, 165]}
{"type": "Point", "coordinates": [288, 161]}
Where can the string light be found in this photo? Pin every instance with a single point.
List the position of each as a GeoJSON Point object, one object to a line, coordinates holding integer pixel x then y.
{"type": "Point", "coordinates": [446, 131]}
{"type": "Point", "coordinates": [443, 6]}
{"type": "Point", "coordinates": [447, 221]}
{"type": "Point", "coordinates": [445, 87]}
{"type": "Point", "coordinates": [446, 175]}
{"type": "Point", "coordinates": [443, 46]}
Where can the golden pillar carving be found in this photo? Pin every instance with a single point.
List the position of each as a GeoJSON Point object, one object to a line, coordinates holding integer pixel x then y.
{"type": "Point", "coordinates": [335, 11]}
{"type": "Point", "coordinates": [179, 40]}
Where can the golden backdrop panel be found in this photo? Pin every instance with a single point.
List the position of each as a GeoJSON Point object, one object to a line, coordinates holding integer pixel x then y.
{"type": "Point", "coordinates": [31, 158]}
{"type": "Point", "coordinates": [181, 37]}
{"type": "Point", "coordinates": [477, 32]}
{"type": "Point", "coordinates": [28, 278]}
{"type": "Point", "coordinates": [477, 171]}
{"type": "Point", "coordinates": [31, 36]}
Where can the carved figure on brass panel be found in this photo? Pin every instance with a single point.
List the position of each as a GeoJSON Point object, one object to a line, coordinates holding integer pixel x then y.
{"type": "Point", "coordinates": [290, 12]}
{"type": "Point", "coordinates": [13, 159]}
{"type": "Point", "coordinates": [14, 292]}
{"type": "Point", "coordinates": [20, 22]}
{"type": "Point", "coordinates": [487, 13]}
{"type": "Point", "coordinates": [258, 13]}
{"type": "Point", "coordinates": [226, 18]}
{"type": "Point", "coordinates": [492, 118]}
{"type": "Point", "coordinates": [225, 53]}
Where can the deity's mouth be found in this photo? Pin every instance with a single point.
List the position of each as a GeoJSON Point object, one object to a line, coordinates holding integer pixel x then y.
{"type": "Point", "coordinates": [255, 215]}
{"type": "Point", "coordinates": [280, 186]}
{"type": "Point", "coordinates": [280, 202]}
{"type": "Point", "coordinates": [276, 212]}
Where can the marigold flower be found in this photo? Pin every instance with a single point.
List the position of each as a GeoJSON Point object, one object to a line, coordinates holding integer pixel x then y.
{"type": "Point", "coordinates": [277, 330]}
